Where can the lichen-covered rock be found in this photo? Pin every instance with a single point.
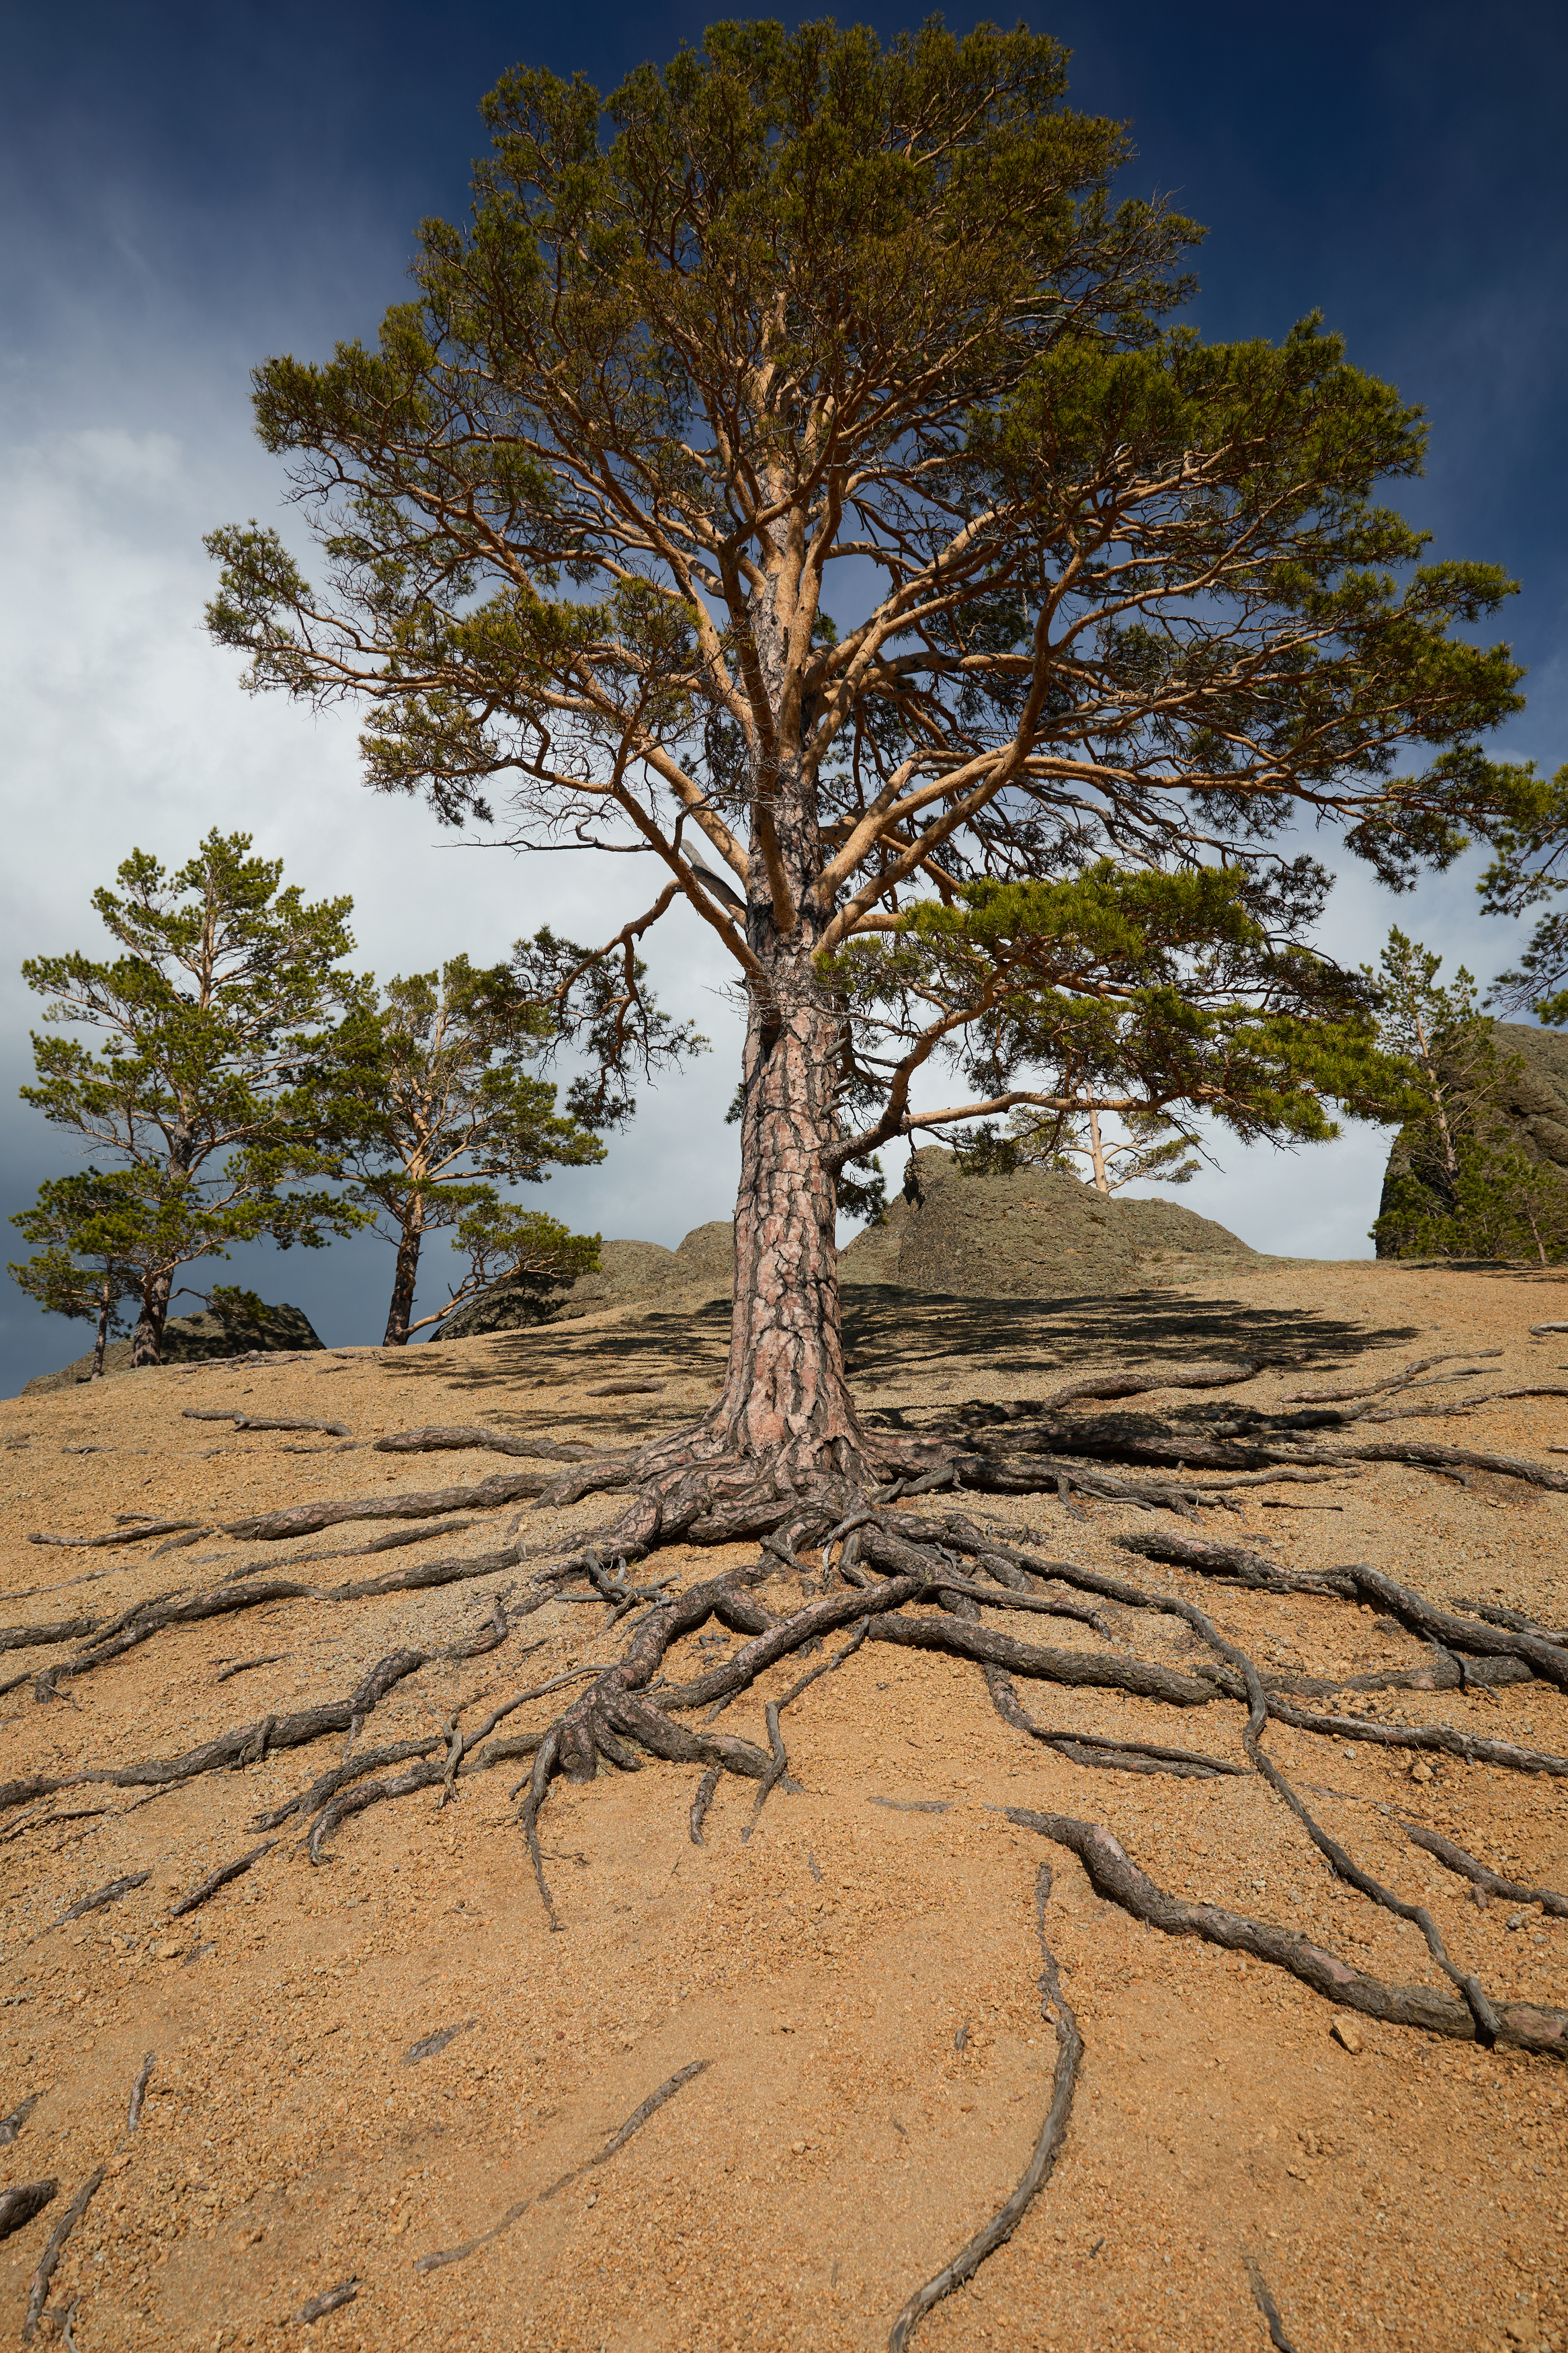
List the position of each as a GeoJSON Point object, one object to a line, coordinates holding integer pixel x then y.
{"type": "Point", "coordinates": [625, 1270]}
{"type": "Point", "coordinates": [1031, 1234]}
{"type": "Point", "coordinates": [1026, 1236]}
{"type": "Point", "coordinates": [190, 1339]}
{"type": "Point", "coordinates": [706, 1259]}
{"type": "Point", "coordinates": [502, 1308]}
{"type": "Point", "coordinates": [701, 1268]}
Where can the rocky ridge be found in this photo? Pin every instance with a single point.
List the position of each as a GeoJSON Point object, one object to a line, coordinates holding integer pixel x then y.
{"type": "Point", "coordinates": [1027, 1235]}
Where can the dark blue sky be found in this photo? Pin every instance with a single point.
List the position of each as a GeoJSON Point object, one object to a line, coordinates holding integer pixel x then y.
{"type": "Point", "coordinates": [187, 190]}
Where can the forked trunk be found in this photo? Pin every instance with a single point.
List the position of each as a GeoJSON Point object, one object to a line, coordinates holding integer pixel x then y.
{"type": "Point", "coordinates": [400, 1312]}
{"type": "Point", "coordinates": [147, 1341]}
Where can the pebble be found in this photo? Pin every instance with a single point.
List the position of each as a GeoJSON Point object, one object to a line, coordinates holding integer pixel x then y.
{"type": "Point", "coordinates": [1420, 1771]}
{"type": "Point", "coordinates": [1345, 2035]}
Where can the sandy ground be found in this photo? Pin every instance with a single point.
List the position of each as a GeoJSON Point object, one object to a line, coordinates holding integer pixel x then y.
{"type": "Point", "coordinates": [858, 1979]}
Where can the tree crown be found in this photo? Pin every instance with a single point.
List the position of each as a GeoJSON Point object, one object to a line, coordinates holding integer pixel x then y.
{"type": "Point", "coordinates": [797, 302]}
{"type": "Point", "coordinates": [434, 1089]}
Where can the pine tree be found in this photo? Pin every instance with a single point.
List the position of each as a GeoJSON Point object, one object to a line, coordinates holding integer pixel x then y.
{"type": "Point", "coordinates": [1459, 1185]}
{"type": "Point", "coordinates": [1120, 609]}
{"type": "Point", "coordinates": [435, 1100]}
{"type": "Point", "coordinates": [92, 1234]}
{"type": "Point", "coordinates": [208, 1019]}
{"type": "Point", "coordinates": [1529, 867]}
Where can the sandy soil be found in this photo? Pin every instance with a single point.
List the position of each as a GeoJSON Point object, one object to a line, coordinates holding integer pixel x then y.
{"type": "Point", "coordinates": [859, 1978]}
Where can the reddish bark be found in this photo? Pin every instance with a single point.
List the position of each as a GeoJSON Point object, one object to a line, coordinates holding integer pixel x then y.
{"type": "Point", "coordinates": [400, 1314]}
{"type": "Point", "coordinates": [785, 1399]}
{"type": "Point", "coordinates": [147, 1341]}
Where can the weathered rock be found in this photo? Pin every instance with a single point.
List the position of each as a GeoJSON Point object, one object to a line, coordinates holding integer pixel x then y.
{"type": "Point", "coordinates": [191, 1339]}
{"type": "Point", "coordinates": [1026, 1236]}
{"type": "Point", "coordinates": [706, 1259]}
{"type": "Point", "coordinates": [502, 1308]}
{"type": "Point", "coordinates": [626, 1270]}
{"type": "Point", "coordinates": [1031, 1234]}
{"type": "Point", "coordinates": [701, 1268]}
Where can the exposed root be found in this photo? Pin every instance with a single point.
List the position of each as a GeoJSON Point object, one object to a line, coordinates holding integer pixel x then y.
{"type": "Point", "coordinates": [436, 1440]}
{"type": "Point", "coordinates": [144, 1618]}
{"type": "Point", "coordinates": [219, 1878]}
{"type": "Point", "coordinates": [1536, 1654]}
{"type": "Point", "coordinates": [1125, 1384]}
{"type": "Point", "coordinates": [327, 1785]}
{"type": "Point", "coordinates": [1097, 1750]}
{"type": "Point", "coordinates": [1403, 1380]}
{"type": "Point", "coordinates": [427, 2047]}
{"type": "Point", "coordinates": [1506, 1466]}
{"type": "Point", "coordinates": [440, 2256]}
{"type": "Point", "coordinates": [27, 1638]}
{"type": "Point", "coordinates": [1057, 2014]}
{"type": "Point", "coordinates": [1521, 2026]}
{"type": "Point", "coordinates": [38, 2287]}
{"type": "Point", "coordinates": [1455, 1858]}
{"type": "Point", "coordinates": [18, 2206]}
{"type": "Point", "coordinates": [702, 1801]}
{"type": "Point", "coordinates": [126, 1536]}
{"type": "Point", "coordinates": [1267, 2306]}
{"type": "Point", "coordinates": [262, 1420]}
{"type": "Point", "coordinates": [245, 1746]}
{"type": "Point", "coordinates": [317, 2307]}
{"type": "Point", "coordinates": [307, 1519]}
{"type": "Point", "coordinates": [139, 2091]}
{"type": "Point", "coordinates": [11, 2126]}
{"type": "Point", "coordinates": [103, 1896]}
{"type": "Point", "coordinates": [1495, 1616]}
{"type": "Point", "coordinates": [1432, 1740]}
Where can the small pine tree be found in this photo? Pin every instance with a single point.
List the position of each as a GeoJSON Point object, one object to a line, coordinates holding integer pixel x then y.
{"type": "Point", "coordinates": [504, 1244]}
{"type": "Point", "coordinates": [435, 1097]}
{"type": "Point", "coordinates": [202, 1025]}
{"type": "Point", "coordinates": [1458, 1184]}
{"type": "Point", "coordinates": [1154, 1149]}
{"type": "Point", "coordinates": [93, 1229]}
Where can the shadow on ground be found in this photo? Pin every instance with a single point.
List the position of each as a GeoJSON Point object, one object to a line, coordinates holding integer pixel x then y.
{"type": "Point", "coordinates": [886, 1334]}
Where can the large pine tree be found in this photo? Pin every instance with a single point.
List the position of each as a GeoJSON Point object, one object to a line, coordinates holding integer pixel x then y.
{"type": "Point", "coordinates": [792, 469]}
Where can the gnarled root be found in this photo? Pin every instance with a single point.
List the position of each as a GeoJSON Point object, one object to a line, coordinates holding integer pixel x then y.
{"type": "Point", "coordinates": [1520, 2026]}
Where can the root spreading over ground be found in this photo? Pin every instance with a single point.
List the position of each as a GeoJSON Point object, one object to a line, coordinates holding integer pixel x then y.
{"type": "Point", "coordinates": [906, 1550]}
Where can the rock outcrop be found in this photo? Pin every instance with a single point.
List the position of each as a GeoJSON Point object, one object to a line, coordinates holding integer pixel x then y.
{"type": "Point", "coordinates": [703, 1268]}
{"type": "Point", "coordinates": [1024, 1236]}
{"type": "Point", "coordinates": [189, 1339]}
{"type": "Point", "coordinates": [1032, 1234]}
{"type": "Point", "coordinates": [1533, 1104]}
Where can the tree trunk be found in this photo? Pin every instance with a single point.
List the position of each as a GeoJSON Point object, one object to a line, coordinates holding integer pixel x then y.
{"type": "Point", "coordinates": [1097, 1152]}
{"type": "Point", "coordinates": [786, 1401]}
{"type": "Point", "coordinates": [106, 1302]}
{"type": "Point", "coordinates": [400, 1314]}
{"type": "Point", "coordinates": [784, 1392]}
{"type": "Point", "coordinates": [147, 1341]}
